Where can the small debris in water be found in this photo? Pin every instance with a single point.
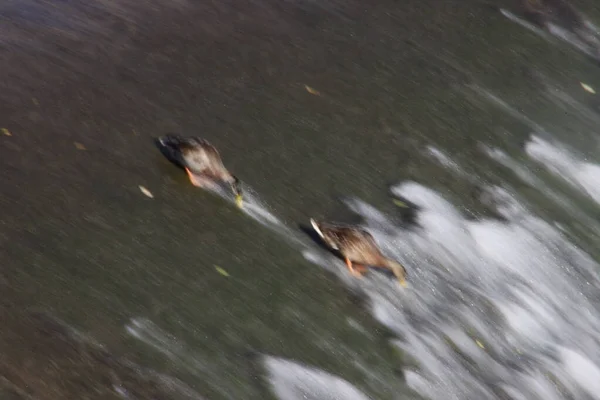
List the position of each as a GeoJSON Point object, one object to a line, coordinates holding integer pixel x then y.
{"type": "Point", "coordinates": [480, 344]}
{"type": "Point", "coordinates": [79, 146]}
{"type": "Point", "coordinates": [587, 88]}
{"type": "Point", "coordinates": [146, 192]}
{"type": "Point", "coordinates": [312, 91]}
{"type": "Point", "coordinates": [6, 132]}
{"type": "Point", "coordinates": [121, 391]}
{"type": "Point", "coordinates": [400, 203]}
{"type": "Point", "coordinates": [35, 101]}
{"type": "Point", "coordinates": [221, 271]}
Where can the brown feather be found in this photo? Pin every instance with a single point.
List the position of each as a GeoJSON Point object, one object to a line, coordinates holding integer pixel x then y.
{"type": "Point", "coordinates": [204, 159]}
{"type": "Point", "coordinates": [352, 242]}
{"type": "Point", "coordinates": [358, 246]}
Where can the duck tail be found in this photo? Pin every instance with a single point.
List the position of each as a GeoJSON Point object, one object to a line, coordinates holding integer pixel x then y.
{"type": "Point", "coordinates": [398, 270]}
{"type": "Point", "coordinates": [316, 226]}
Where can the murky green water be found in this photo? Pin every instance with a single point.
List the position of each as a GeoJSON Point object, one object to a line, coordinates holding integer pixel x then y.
{"type": "Point", "coordinates": [81, 242]}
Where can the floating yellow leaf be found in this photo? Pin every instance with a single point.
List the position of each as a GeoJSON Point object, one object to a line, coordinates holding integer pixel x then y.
{"type": "Point", "coordinates": [6, 132]}
{"type": "Point", "coordinates": [79, 146]}
{"type": "Point", "coordinates": [587, 88]}
{"type": "Point", "coordinates": [400, 203]}
{"type": "Point", "coordinates": [221, 271]}
{"type": "Point", "coordinates": [312, 91]}
{"type": "Point", "coordinates": [146, 192]}
{"type": "Point", "coordinates": [480, 344]}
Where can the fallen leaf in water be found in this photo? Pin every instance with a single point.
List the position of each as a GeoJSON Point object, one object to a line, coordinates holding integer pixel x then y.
{"type": "Point", "coordinates": [146, 192]}
{"type": "Point", "coordinates": [221, 271]}
{"type": "Point", "coordinates": [480, 344]}
{"type": "Point", "coordinates": [79, 146]}
{"type": "Point", "coordinates": [6, 132]}
{"type": "Point", "coordinates": [400, 203]}
{"type": "Point", "coordinates": [35, 101]}
{"type": "Point", "coordinates": [312, 91]}
{"type": "Point", "coordinates": [587, 88]}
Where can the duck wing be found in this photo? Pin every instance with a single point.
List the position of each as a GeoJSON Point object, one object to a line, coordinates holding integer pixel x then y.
{"type": "Point", "coordinates": [359, 245]}
{"type": "Point", "coordinates": [194, 153]}
{"type": "Point", "coordinates": [351, 237]}
{"type": "Point", "coordinates": [203, 158]}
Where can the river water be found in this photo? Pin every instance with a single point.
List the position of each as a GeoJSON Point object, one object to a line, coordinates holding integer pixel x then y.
{"type": "Point", "coordinates": [330, 110]}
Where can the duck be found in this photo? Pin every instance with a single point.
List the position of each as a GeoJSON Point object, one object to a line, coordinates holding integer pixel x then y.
{"type": "Point", "coordinates": [201, 161]}
{"type": "Point", "coordinates": [358, 248]}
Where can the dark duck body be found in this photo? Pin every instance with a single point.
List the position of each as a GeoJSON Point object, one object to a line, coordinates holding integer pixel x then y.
{"type": "Point", "coordinates": [201, 161]}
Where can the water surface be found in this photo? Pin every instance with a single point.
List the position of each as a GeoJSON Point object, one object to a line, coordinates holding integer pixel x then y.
{"type": "Point", "coordinates": [479, 121]}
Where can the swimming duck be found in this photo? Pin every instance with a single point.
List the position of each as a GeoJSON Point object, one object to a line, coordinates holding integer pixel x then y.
{"type": "Point", "coordinates": [201, 161]}
{"type": "Point", "coordinates": [358, 248]}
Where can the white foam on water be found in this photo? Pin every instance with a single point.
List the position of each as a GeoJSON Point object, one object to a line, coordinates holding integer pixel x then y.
{"type": "Point", "coordinates": [259, 211]}
{"type": "Point", "coordinates": [557, 32]}
{"type": "Point", "coordinates": [254, 207]}
{"type": "Point", "coordinates": [147, 332]}
{"type": "Point", "coordinates": [494, 309]}
{"type": "Point", "coordinates": [505, 203]}
{"type": "Point", "coordinates": [294, 381]}
{"type": "Point", "coordinates": [520, 21]}
{"type": "Point", "coordinates": [582, 175]}
{"type": "Point", "coordinates": [582, 371]}
{"type": "Point", "coordinates": [531, 177]}
{"type": "Point", "coordinates": [356, 325]}
{"type": "Point", "coordinates": [443, 159]}
{"type": "Point", "coordinates": [504, 159]}
{"type": "Point", "coordinates": [491, 304]}
{"type": "Point", "coordinates": [420, 384]}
